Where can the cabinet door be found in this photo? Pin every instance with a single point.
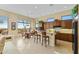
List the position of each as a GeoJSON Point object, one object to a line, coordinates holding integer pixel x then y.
{"type": "Point", "coordinates": [45, 26]}
{"type": "Point", "coordinates": [57, 23]}
{"type": "Point", "coordinates": [41, 25]}
{"type": "Point", "coordinates": [51, 25]}
{"type": "Point", "coordinates": [67, 24]}
{"type": "Point", "coordinates": [64, 37]}
{"type": "Point", "coordinates": [63, 24]}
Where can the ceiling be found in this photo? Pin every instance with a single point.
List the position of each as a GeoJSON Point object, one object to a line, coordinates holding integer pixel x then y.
{"type": "Point", "coordinates": [35, 10]}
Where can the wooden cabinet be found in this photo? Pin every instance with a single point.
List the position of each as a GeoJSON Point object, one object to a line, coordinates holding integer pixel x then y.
{"type": "Point", "coordinates": [41, 25]}
{"type": "Point", "coordinates": [67, 24]}
{"type": "Point", "coordinates": [51, 25]}
{"type": "Point", "coordinates": [64, 36]}
{"type": "Point", "coordinates": [48, 25]}
{"type": "Point", "coordinates": [57, 23]}
{"type": "Point", "coordinates": [44, 25]}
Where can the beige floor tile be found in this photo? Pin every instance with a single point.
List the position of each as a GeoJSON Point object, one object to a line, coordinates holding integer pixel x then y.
{"type": "Point", "coordinates": [27, 46]}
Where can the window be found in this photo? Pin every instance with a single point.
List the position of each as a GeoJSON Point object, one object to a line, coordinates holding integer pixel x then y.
{"type": "Point", "coordinates": [67, 17]}
{"type": "Point", "coordinates": [37, 25]}
{"type": "Point", "coordinates": [50, 19]}
{"type": "Point", "coordinates": [22, 24]}
{"type": "Point", "coordinates": [28, 25]}
{"type": "Point", "coordinates": [3, 22]}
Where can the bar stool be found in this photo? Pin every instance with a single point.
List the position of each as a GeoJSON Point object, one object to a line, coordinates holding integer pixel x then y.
{"type": "Point", "coordinates": [45, 40]}
{"type": "Point", "coordinates": [37, 38]}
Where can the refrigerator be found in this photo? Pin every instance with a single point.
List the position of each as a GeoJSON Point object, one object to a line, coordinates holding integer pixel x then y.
{"type": "Point", "coordinates": [75, 37]}
{"type": "Point", "coordinates": [75, 28]}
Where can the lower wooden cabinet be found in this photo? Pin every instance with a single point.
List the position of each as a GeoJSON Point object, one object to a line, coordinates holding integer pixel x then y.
{"type": "Point", "coordinates": [64, 37]}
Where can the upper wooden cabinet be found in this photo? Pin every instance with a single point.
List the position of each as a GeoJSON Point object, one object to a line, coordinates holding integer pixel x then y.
{"type": "Point", "coordinates": [51, 25]}
{"type": "Point", "coordinates": [57, 23]}
{"type": "Point", "coordinates": [48, 25]}
{"type": "Point", "coordinates": [45, 25]}
{"type": "Point", "coordinates": [41, 25]}
{"type": "Point", "coordinates": [67, 24]}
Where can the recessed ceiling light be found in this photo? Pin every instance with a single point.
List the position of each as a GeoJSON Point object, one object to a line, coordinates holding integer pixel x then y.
{"type": "Point", "coordinates": [36, 7]}
{"type": "Point", "coordinates": [65, 7]}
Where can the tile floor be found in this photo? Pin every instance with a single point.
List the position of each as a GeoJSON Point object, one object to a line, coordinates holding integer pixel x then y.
{"type": "Point", "coordinates": [27, 46]}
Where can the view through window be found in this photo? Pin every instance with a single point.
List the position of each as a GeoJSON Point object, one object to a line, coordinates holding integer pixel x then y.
{"type": "Point", "coordinates": [3, 22]}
